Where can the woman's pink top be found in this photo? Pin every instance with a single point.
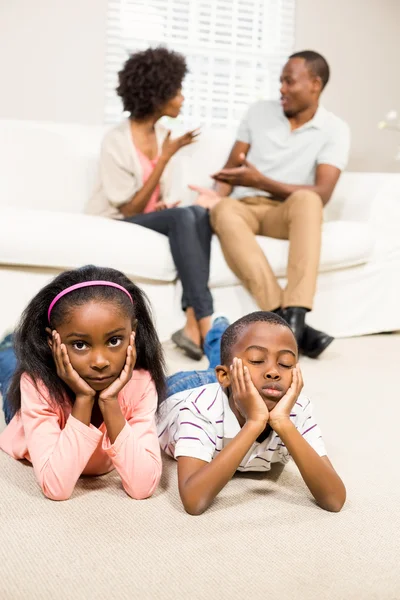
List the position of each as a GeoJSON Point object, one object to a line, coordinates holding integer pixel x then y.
{"type": "Point", "coordinates": [61, 448]}
{"type": "Point", "coordinates": [148, 165]}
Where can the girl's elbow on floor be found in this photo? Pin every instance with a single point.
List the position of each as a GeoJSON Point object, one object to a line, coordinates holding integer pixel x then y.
{"type": "Point", "coordinates": [58, 495]}
{"type": "Point", "coordinates": [141, 492]}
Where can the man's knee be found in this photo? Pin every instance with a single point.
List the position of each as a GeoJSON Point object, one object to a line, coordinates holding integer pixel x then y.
{"type": "Point", "coordinates": [223, 212]}
{"type": "Point", "coordinates": [305, 203]}
{"type": "Point", "coordinates": [307, 199]}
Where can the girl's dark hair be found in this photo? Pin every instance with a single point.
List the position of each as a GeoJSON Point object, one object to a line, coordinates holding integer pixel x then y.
{"type": "Point", "coordinates": [149, 79]}
{"type": "Point", "coordinates": [31, 340]}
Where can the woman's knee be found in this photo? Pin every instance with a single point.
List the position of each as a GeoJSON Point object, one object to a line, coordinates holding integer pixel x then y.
{"type": "Point", "coordinates": [183, 217]}
{"type": "Point", "coordinates": [199, 212]}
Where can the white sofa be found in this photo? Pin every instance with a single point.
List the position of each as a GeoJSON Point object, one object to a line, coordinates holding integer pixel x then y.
{"type": "Point", "coordinates": [47, 172]}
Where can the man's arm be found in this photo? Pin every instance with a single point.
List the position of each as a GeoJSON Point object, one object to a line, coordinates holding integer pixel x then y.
{"type": "Point", "coordinates": [222, 188]}
{"type": "Point", "coordinates": [207, 197]}
{"type": "Point", "coordinates": [317, 471]}
{"type": "Point", "coordinates": [247, 175]}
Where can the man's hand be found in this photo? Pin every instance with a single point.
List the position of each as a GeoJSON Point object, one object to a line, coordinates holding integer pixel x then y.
{"type": "Point", "coordinates": [280, 414]}
{"type": "Point", "coordinates": [245, 396]}
{"type": "Point", "coordinates": [112, 391]}
{"type": "Point", "coordinates": [170, 147]}
{"type": "Point", "coordinates": [206, 198]}
{"type": "Point", "coordinates": [246, 175]}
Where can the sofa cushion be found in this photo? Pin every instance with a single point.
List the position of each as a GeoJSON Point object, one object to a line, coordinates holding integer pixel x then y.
{"type": "Point", "coordinates": [68, 240]}
{"type": "Point", "coordinates": [344, 244]}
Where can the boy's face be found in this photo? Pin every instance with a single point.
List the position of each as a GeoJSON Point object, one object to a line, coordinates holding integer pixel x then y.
{"type": "Point", "coordinates": [270, 353]}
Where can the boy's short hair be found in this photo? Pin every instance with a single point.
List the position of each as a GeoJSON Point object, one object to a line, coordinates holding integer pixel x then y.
{"type": "Point", "coordinates": [233, 332]}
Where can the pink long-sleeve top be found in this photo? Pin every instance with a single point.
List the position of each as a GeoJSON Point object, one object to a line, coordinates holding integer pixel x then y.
{"type": "Point", "coordinates": [61, 448]}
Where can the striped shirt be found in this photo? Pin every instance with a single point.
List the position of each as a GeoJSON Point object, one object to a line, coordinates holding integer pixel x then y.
{"type": "Point", "coordinates": [199, 423]}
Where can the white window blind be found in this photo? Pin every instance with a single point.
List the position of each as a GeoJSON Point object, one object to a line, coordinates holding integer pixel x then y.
{"type": "Point", "coordinates": [235, 50]}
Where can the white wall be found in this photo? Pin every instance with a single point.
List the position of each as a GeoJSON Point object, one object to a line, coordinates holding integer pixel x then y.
{"type": "Point", "coordinates": [52, 64]}
{"type": "Point", "coordinates": [52, 60]}
{"type": "Point", "coordinates": [361, 41]}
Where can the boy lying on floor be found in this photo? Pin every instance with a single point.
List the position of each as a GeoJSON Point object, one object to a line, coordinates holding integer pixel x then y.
{"type": "Point", "coordinates": [253, 416]}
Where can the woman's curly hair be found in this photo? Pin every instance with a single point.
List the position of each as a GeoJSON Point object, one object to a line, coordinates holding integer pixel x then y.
{"type": "Point", "coordinates": [149, 79]}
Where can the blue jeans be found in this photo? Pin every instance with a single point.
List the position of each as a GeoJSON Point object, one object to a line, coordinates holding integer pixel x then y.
{"type": "Point", "coordinates": [189, 234]}
{"type": "Point", "coordinates": [8, 364]}
{"type": "Point", "coordinates": [185, 380]}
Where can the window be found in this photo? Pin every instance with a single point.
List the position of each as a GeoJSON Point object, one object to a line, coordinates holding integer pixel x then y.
{"type": "Point", "coordinates": [235, 50]}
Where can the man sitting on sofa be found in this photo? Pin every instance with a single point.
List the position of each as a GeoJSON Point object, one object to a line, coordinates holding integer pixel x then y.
{"type": "Point", "coordinates": [281, 171]}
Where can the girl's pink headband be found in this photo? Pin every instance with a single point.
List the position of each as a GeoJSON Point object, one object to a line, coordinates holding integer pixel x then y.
{"type": "Point", "coordinates": [84, 284]}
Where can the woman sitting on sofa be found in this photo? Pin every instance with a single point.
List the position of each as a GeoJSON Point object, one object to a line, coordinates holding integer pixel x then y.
{"type": "Point", "coordinates": [134, 181]}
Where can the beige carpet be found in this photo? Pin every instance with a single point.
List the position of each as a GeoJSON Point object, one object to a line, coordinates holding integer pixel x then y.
{"type": "Point", "coordinates": [263, 538]}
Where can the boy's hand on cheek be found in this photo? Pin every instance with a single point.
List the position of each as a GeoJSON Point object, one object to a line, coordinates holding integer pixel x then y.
{"type": "Point", "coordinates": [281, 413]}
{"type": "Point", "coordinates": [245, 395]}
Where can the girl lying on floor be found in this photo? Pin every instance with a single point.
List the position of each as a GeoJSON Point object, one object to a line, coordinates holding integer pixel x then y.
{"type": "Point", "coordinates": [89, 376]}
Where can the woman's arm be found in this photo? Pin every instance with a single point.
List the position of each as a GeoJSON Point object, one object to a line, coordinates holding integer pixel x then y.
{"type": "Point", "coordinates": [138, 202]}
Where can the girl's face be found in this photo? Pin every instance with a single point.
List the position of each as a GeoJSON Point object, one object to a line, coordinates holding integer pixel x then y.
{"type": "Point", "coordinates": [96, 336]}
{"type": "Point", "coordinates": [173, 107]}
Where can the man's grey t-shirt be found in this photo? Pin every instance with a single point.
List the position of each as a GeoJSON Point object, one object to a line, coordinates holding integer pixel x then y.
{"type": "Point", "coordinates": [291, 156]}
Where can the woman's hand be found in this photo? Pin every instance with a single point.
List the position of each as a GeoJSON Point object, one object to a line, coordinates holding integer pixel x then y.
{"type": "Point", "coordinates": [206, 198]}
{"type": "Point", "coordinates": [282, 410]}
{"type": "Point", "coordinates": [245, 396]}
{"type": "Point", "coordinates": [161, 205]}
{"type": "Point", "coordinates": [66, 371]}
{"type": "Point", "coordinates": [170, 147]}
{"type": "Point", "coordinates": [112, 391]}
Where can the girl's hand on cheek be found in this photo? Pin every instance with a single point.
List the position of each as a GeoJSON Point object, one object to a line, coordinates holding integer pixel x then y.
{"type": "Point", "coordinates": [66, 371]}
{"type": "Point", "coordinates": [245, 395]}
{"type": "Point", "coordinates": [112, 391]}
{"type": "Point", "coordinates": [282, 410]}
